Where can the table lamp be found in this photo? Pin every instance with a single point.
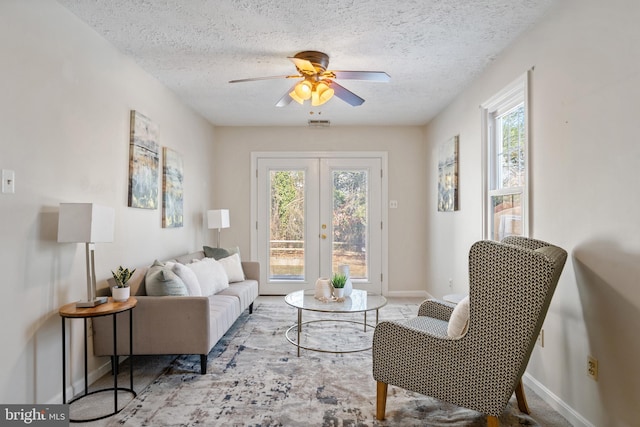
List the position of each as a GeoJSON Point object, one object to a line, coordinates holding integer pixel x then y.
{"type": "Point", "coordinates": [218, 219]}
{"type": "Point", "coordinates": [87, 223]}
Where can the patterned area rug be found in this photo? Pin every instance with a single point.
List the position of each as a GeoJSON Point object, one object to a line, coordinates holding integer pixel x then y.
{"type": "Point", "coordinates": [255, 378]}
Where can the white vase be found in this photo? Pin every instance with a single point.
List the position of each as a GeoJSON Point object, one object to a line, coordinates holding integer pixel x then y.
{"type": "Point", "coordinates": [348, 287]}
{"type": "Point", "coordinates": [338, 292]}
{"type": "Point", "coordinates": [120, 294]}
{"type": "Point", "coordinates": [323, 288]}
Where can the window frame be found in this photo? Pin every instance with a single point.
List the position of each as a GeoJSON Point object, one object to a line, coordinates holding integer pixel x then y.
{"type": "Point", "coordinates": [505, 100]}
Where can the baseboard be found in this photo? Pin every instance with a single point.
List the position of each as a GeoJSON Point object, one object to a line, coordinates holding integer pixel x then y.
{"type": "Point", "coordinates": [77, 387]}
{"type": "Point", "coordinates": [409, 294]}
{"type": "Point", "coordinates": [555, 402]}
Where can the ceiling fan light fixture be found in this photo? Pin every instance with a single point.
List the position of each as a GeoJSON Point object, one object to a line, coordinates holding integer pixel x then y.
{"type": "Point", "coordinates": [295, 97]}
{"type": "Point", "coordinates": [317, 81]}
{"type": "Point", "coordinates": [323, 93]}
{"type": "Point", "coordinates": [303, 90]}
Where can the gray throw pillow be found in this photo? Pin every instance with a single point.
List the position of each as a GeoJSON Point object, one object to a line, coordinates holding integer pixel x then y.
{"type": "Point", "coordinates": [219, 253]}
{"type": "Point", "coordinates": [160, 280]}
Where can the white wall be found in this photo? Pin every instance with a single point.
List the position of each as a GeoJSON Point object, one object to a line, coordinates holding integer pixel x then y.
{"type": "Point", "coordinates": [584, 174]}
{"type": "Point", "coordinates": [407, 184]}
{"type": "Point", "coordinates": [64, 129]}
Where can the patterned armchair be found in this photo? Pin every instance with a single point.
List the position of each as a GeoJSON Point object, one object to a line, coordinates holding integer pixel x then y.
{"type": "Point", "coordinates": [511, 285]}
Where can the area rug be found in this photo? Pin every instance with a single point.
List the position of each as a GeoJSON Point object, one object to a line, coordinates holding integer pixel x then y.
{"type": "Point", "coordinates": [255, 378]}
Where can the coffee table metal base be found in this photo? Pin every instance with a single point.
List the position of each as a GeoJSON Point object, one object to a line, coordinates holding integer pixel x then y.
{"type": "Point", "coordinates": [298, 328]}
{"type": "Point", "coordinates": [359, 301]}
{"type": "Point", "coordinates": [300, 323]}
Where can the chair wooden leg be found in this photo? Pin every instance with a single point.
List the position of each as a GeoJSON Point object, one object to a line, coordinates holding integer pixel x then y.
{"type": "Point", "coordinates": [381, 400]}
{"type": "Point", "coordinates": [492, 421]}
{"type": "Point", "coordinates": [522, 400]}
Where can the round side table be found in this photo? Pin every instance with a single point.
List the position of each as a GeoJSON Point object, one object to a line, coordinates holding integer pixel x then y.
{"type": "Point", "coordinates": [110, 308]}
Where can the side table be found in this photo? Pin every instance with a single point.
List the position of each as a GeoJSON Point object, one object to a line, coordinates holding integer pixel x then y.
{"type": "Point", "coordinates": [111, 308]}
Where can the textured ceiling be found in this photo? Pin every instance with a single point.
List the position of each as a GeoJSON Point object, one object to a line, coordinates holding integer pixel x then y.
{"type": "Point", "coordinates": [431, 49]}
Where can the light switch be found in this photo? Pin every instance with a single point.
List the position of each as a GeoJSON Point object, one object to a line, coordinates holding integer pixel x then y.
{"type": "Point", "coordinates": [8, 181]}
{"type": "Point", "coordinates": [393, 204]}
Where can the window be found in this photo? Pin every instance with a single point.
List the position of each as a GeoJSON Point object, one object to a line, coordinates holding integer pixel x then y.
{"type": "Point", "coordinates": [505, 147]}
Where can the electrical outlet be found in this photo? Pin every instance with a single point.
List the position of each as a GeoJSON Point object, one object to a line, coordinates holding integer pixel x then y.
{"type": "Point", "coordinates": [592, 367]}
{"type": "Point", "coordinates": [8, 181]}
{"type": "Point", "coordinates": [450, 283]}
{"type": "Point", "coordinates": [540, 340]}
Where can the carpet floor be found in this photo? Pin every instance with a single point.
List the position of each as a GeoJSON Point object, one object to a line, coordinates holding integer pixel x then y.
{"type": "Point", "coordinates": [255, 378]}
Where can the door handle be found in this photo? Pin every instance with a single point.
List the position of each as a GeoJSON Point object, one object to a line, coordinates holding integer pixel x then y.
{"type": "Point", "coordinates": [324, 236]}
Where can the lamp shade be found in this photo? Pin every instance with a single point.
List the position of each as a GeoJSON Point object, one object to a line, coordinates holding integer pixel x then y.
{"type": "Point", "coordinates": [218, 218]}
{"type": "Point", "coordinates": [85, 222]}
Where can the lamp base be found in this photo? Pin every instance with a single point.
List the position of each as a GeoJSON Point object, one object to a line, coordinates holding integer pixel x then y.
{"type": "Point", "coordinates": [93, 303]}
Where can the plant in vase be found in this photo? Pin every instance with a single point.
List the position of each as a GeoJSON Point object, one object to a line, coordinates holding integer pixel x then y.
{"type": "Point", "coordinates": [338, 281]}
{"type": "Point", "coordinates": [120, 291]}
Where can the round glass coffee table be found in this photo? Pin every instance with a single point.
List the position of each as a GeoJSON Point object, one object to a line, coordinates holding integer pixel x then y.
{"type": "Point", "coordinates": [358, 302]}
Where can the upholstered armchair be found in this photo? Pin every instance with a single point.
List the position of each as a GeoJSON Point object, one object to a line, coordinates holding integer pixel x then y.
{"type": "Point", "coordinates": [510, 288]}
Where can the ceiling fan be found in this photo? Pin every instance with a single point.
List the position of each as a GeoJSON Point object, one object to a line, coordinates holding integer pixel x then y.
{"type": "Point", "coordinates": [317, 83]}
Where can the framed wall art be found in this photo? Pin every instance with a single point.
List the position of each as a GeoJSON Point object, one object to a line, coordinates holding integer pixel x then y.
{"type": "Point", "coordinates": [448, 175]}
{"type": "Point", "coordinates": [172, 193]}
{"type": "Point", "coordinates": [143, 163]}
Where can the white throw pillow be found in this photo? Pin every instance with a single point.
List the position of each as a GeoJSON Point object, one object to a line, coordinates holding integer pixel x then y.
{"type": "Point", "coordinates": [233, 266]}
{"type": "Point", "coordinates": [189, 278]}
{"type": "Point", "coordinates": [211, 276]}
{"type": "Point", "coordinates": [459, 320]}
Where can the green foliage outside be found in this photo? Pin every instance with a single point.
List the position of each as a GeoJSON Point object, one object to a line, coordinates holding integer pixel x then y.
{"type": "Point", "coordinates": [350, 209]}
{"type": "Point", "coordinates": [349, 202]}
{"type": "Point", "coordinates": [287, 221]}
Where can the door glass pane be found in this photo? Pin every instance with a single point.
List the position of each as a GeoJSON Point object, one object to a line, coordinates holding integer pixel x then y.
{"type": "Point", "coordinates": [507, 216]}
{"type": "Point", "coordinates": [286, 219]}
{"type": "Point", "coordinates": [350, 221]}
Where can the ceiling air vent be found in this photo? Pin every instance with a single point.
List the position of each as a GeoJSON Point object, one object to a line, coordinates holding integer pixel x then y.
{"type": "Point", "coordinates": [319, 123]}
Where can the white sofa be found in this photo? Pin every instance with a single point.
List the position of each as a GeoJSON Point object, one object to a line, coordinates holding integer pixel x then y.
{"type": "Point", "coordinates": [177, 324]}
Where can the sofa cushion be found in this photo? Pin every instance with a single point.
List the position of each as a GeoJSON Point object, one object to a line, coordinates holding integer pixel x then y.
{"type": "Point", "coordinates": [246, 292]}
{"type": "Point", "coordinates": [218, 253]}
{"type": "Point", "coordinates": [211, 276]}
{"type": "Point", "coordinates": [189, 278]}
{"type": "Point", "coordinates": [160, 280]}
{"type": "Point", "coordinates": [459, 320]}
{"type": "Point", "coordinates": [233, 267]}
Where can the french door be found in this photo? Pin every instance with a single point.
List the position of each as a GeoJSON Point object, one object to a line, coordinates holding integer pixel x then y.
{"type": "Point", "coordinates": [316, 213]}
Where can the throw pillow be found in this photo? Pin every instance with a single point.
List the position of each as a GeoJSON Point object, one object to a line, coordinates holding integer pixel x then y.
{"type": "Point", "coordinates": [233, 267]}
{"type": "Point", "coordinates": [189, 278]}
{"type": "Point", "coordinates": [161, 281]}
{"type": "Point", "coordinates": [218, 253]}
{"type": "Point", "coordinates": [211, 276]}
{"type": "Point", "coordinates": [459, 320]}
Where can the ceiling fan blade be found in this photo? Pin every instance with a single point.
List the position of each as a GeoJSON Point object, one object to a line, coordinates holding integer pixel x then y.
{"type": "Point", "coordinates": [265, 78]}
{"type": "Point", "coordinates": [372, 76]}
{"type": "Point", "coordinates": [346, 95]}
{"type": "Point", "coordinates": [286, 99]}
{"type": "Point", "coordinates": [303, 65]}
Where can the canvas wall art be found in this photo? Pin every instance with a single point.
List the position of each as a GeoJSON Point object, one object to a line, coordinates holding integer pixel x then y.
{"type": "Point", "coordinates": [448, 175]}
{"type": "Point", "coordinates": [143, 162]}
{"type": "Point", "coordinates": [172, 194]}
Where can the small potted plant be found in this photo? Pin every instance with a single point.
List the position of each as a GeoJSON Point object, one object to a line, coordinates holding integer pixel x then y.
{"type": "Point", "coordinates": [120, 291]}
{"type": "Point", "coordinates": [338, 281]}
